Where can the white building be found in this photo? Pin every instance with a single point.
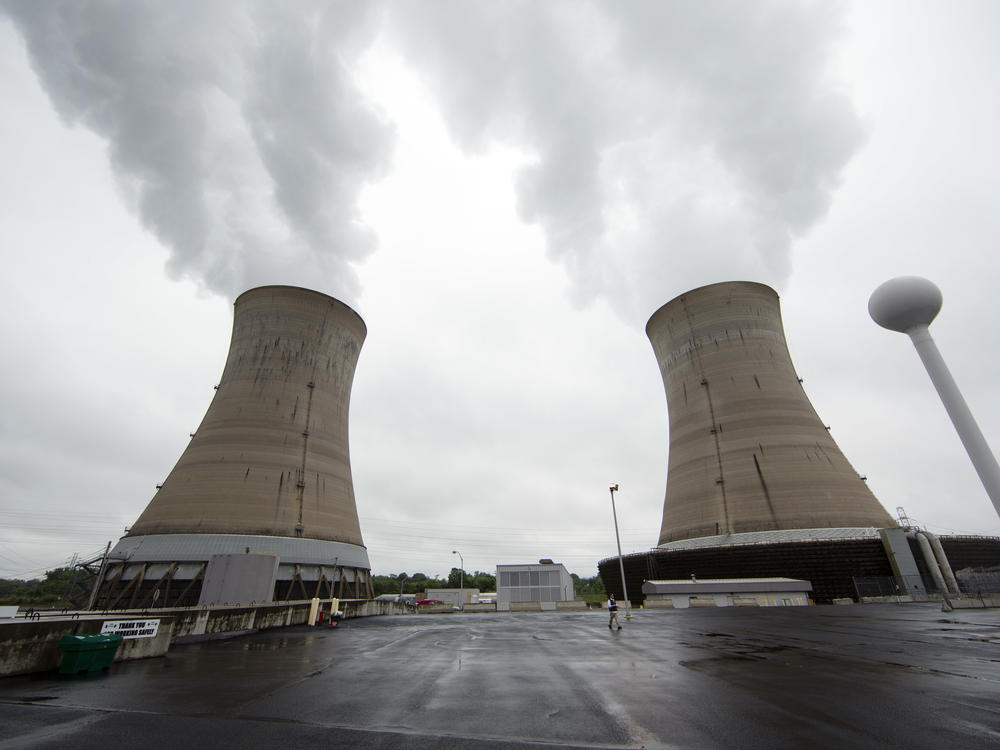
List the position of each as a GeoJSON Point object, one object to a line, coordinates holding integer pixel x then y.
{"type": "Point", "coordinates": [545, 584]}
{"type": "Point", "coordinates": [726, 592]}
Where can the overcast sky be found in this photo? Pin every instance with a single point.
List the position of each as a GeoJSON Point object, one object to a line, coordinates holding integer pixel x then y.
{"type": "Point", "coordinates": [505, 191]}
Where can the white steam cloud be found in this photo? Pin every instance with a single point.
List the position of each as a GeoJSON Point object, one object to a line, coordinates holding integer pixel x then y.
{"type": "Point", "coordinates": [676, 144]}
{"type": "Point", "coordinates": [234, 128]}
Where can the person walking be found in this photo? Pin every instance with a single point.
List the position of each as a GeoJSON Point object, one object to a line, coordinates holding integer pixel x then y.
{"type": "Point", "coordinates": [613, 612]}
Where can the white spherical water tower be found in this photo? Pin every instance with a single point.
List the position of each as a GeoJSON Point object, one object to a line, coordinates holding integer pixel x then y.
{"type": "Point", "coordinates": [908, 304]}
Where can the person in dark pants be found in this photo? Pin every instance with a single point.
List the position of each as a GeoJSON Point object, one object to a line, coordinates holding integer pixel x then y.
{"type": "Point", "coordinates": [613, 612]}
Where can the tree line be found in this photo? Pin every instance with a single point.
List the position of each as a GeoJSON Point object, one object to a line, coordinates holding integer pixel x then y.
{"type": "Point", "coordinates": [70, 587]}
{"type": "Point", "coordinates": [404, 583]}
{"type": "Point", "coordinates": [61, 587]}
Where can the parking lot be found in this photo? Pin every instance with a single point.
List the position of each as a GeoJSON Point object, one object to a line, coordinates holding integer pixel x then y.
{"type": "Point", "coordinates": [806, 677]}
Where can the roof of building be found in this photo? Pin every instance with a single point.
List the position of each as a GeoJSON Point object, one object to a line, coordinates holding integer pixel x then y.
{"type": "Point", "coordinates": [771, 537]}
{"type": "Point", "coordinates": [724, 585]}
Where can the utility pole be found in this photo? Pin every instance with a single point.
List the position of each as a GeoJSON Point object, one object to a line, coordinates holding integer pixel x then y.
{"type": "Point", "coordinates": [461, 578]}
{"type": "Point", "coordinates": [100, 577]}
{"type": "Point", "coordinates": [621, 565]}
{"type": "Point", "coordinates": [72, 577]}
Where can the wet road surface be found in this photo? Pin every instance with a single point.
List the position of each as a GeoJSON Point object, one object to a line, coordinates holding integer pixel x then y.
{"type": "Point", "coordinates": [880, 676]}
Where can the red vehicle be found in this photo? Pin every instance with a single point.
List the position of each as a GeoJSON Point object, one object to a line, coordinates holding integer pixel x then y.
{"type": "Point", "coordinates": [429, 601]}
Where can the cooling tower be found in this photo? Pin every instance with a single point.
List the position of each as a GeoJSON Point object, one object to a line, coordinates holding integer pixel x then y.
{"type": "Point", "coordinates": [747, 451]}
{"type": "Point", "coordinates": [268, 471]}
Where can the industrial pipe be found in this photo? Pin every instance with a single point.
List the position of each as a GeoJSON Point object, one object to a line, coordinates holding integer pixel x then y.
{"type": "Point", "coordinates": [942, 559]}
{"type": "Point", "coordinates": [932, 563]}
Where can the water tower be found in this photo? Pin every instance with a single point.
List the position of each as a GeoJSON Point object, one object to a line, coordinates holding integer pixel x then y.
{"type": "Point", "coordinates": [908, 304]}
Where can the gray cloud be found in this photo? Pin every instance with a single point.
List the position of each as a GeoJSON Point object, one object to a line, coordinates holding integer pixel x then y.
{"type": "Point", "coordinates": [712, 129]}
{"type": "Point", "coordinates": [672, 145]}
{"type": "Point", "coordinates": [234, 129]}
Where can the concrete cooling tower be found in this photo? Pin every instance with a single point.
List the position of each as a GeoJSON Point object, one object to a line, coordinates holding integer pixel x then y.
{"type": "Point", "coordinates": [267, 474]}
{"type": "Point", "coordinates": [747, 450]}
{"type": "Point", "coordinates": [756, 486]}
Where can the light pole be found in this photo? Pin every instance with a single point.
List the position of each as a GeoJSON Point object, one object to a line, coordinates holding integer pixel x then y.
{"type": "Point", "coordinates": [461, 591]}
{"type": "Point", "coordinates": [621, 565]}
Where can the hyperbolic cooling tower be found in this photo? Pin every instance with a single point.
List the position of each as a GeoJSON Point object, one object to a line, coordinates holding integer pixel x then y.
{"type": "Point", "coordinates": [268, 470]}
{"type": "Point", "coordinates": [747, 451]}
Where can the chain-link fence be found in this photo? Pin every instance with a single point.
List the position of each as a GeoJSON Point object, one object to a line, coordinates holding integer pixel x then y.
{"type": "Point", "coordinates": [974, 581]}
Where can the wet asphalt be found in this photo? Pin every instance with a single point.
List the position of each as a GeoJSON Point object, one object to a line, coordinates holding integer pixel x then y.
{"type": "Point", "coordinates": [906, 676]}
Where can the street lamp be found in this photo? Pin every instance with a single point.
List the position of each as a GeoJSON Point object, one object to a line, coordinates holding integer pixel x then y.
{"type": "Point", "coordinates": [621, 565]}
{"type": "Point", "coordinates": [461, 591]}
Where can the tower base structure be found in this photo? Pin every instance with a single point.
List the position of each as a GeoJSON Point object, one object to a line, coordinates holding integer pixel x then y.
{"type": "Point", "coordinates": [840, 563]}
{"type": "Point", "coordinates": [169, 570]}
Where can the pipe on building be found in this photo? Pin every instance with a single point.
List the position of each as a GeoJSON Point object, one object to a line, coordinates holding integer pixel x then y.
{"type": "Point", "coordinates": [942, 559]}
{"type": "Point", "coordinates": [932, 563]}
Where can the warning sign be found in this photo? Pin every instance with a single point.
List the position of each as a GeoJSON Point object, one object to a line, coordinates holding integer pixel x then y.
{"type": "Point", "coordinates": [131, 628]}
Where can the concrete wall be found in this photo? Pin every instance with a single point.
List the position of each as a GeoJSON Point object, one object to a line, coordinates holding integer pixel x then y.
{"type": "Point", "coordinates": [190, 624]}
{"type": "Point", "coordinates": [453, 597]}
{"type": "Point", "coordinates": [976, 602]}
{"type": "Point", "coordinates": [434, 609]}
{"type": "Point", "coordinates": [33, 645]}
{"type": "Point", "coordinates": [372, 608]}
{"type": "Point", "coordinates": [747, 450]}
{"type": "Point", "coordinates": [764, 599]}
{"type": "Point", "coordinates": [658, 604]}
{"type": "Point", "coordinates": [201, 623]}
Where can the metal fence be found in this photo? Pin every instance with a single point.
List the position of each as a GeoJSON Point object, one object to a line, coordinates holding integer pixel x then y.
{"type": "Point", "coordinates": [979, 580]}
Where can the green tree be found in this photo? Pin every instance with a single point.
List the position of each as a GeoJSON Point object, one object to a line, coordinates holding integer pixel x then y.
{"type": "Point", "coordinates": [12, 588]}
{"type": "Point", "coordinates": [591, 590]}
{"type": "Point", "coordinates": [411, 584]}
{"type": "Point", "coordinates": [485, 582]}
{"type": "Point", "coordinates": [61, 587]}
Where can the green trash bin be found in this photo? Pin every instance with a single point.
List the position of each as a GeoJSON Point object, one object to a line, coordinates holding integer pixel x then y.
{"type": "Point", "coordinates": [87, 654]}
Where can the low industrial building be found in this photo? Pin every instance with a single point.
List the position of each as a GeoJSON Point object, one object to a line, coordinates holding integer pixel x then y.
{"type": "Point", "coordinates": [727, 592]}
{"type": "Point", "coordinates": [454, 597]}
{"type": "Point", "coordinates": [544, 583]}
